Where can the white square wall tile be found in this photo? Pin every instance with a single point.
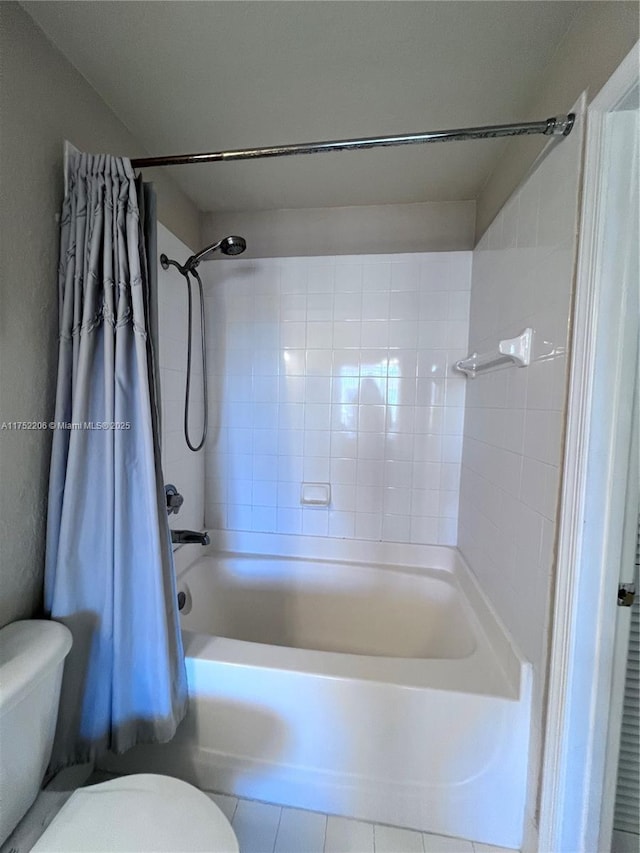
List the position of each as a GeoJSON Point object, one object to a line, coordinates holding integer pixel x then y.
{"type": "Point", "coordinates": [349, 306]}
{"type": "Point", "coordinates": [403, 305]}
{"type": "Point", "coordinates": [318, 362]}
{"type": "Point", "coordinates": [317, 389]}
{"type": "Point", "coordinates": [265, 467]}
{"type": "Point", "coordinates": [430, 392]}
{"type": "Point", "coordinates": [293, 335]}
{"type": "Point", "coordinates": [375, 277]}
{"type": "Point", "coordinates": [319, 307]}
{"type": "Point", "coordinates": [264, 493]}
{"type": "Point", "coordinates": [344, 445]}
{"type": "Point", "coordinates": [374, 333]}
{"type": "Point", "coordinates": [425, 502]}
{"type": "Point", "coordinates": [432, 364]}
{"type": "Point", "coordinates": [368, 525]}
{"type": "Point", "coordinates": [316, 469]}
{"type": "Point", "coordinates": [460, 267]}
{"type": "Point", "coordinates": [288, 494]}
{"type": "Point", "coordinates": [397, 501]}
{"type": "Point", "coordinates": [348, 277]}
{"type": "Point", "coordinates": [289, 520]}
{"type": "Point", "coordinates": [459, 303]}
{"type": "Point", "coordinates": [452, 449]}
{"type": "Point", "coordinates": [426, 475]}
{"type": "Point", "coordinates": [429, 448]}
{"type": "Point", "coordinates": [434, 334]}
{"type": "Point", "coordinates": [396, 528]}
{"type": "Point", "coordinates": [293, 307]}
{"type": "Point", "coordinates": [369, 499]}
{"type": "Point", "coordinates": [346, 334]}
{"type": "Point", "coordinates": [448, 531]}
{"type": "Point", "coordinates": [317, 443]}
{"type": "Point", "coordinates": [374, 306]}
{"type": "Point", "coordinates": [319, 334]}
{"type": "Point", "coordinates": [263, 519]}
{"type": "Point", "coordinates": [405, 275]}
{"type": "Point", "coordinates": [398, 474]}
{"type": "Point", "coordinates": [434, 305]}
{"type": "Point", "coordinates": [290, 416]}
{"type": "Point", "coordinates": [290, 444]}
{"type": "Point", "coordinates": [315, 521]}
{"type": "Point", "coordinates": [292, 362]}
{"type": "Point", "coordinates": [317, 416]}
{"type": "Point", "coordinates": [399, 447]}
{"type": "Point", "coordinates": [370, 472]}
{"type": "Point", "coordinates": [343, 498]}
{"type": "Point", "coordinates": [321, 277]}
{"type": "Point", "coordinates": [342, 524]}
{"type": "Point", "coordinates": [372, 390]}
{"type": "Point", "coordinates": [424, 530]}
{"type": "Point", "coordinates": [343, 471]}
{"type": "Point", "coordinates": [403, 334]}
{"type": "Point", "coordinates": [371, 418]}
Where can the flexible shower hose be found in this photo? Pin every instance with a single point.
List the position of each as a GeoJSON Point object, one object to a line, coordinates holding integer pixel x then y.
{"type": "Point", "coordinates": [187, 395]}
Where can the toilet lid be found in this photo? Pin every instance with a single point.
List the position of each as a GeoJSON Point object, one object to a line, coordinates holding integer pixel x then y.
{"type": "Point", "coordinates": [143, 813]}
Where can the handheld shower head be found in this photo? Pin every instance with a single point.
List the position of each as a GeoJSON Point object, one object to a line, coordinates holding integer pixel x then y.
{"type": "Point", "coordinates": [228, 246]}
{"type": "Point", "coordinates": [233, 245]}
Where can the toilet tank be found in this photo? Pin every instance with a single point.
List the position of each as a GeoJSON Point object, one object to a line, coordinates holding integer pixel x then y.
{"type": "Point", "coordinates": [32, 657]}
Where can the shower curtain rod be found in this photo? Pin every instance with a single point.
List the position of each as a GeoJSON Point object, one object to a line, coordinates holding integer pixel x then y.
{"type": "Point", "coordinates": [556, 126]}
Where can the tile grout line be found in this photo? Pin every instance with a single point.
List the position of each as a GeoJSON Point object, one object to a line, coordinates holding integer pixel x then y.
{"type": "Point", "coordinates": [235, 809]}
{"type": "Point", "coordinates": [275, 838]}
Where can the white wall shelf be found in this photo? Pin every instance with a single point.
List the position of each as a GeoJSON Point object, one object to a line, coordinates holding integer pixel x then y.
{"type": "Point", "coordinates": [516, 350]}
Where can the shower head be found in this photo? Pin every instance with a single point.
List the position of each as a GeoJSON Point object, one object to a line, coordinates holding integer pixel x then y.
{"type": "Point", "coordinates": [228, 246]}
{"type": "Point", "coordinates": [233, 245]}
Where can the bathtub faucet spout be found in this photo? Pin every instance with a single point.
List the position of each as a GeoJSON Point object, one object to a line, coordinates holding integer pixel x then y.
{"type": "Point", "coordinates": [189, 537]}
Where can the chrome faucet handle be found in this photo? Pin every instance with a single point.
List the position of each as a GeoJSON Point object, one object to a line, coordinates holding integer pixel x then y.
{"type": "Point", "coordinates": [174, 499]}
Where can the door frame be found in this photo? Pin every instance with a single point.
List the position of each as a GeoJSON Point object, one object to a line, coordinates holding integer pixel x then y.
{"type": "Point", "coordinates": [582, 643]}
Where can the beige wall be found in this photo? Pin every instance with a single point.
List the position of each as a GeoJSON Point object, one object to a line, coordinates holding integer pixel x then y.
{"type": "Point", "coordinates": [43, 100]}
{"type": "Point", "coordinates": [598, 39]}
{"type": "Point", "coordinates": [363, 230]}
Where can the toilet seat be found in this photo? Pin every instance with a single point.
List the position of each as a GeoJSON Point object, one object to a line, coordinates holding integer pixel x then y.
{"type": "Point", "coordinates": [144, 813]}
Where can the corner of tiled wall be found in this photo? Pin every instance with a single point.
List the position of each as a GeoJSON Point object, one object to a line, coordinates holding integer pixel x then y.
{"type": "Point", "coordinates": [514, 420]}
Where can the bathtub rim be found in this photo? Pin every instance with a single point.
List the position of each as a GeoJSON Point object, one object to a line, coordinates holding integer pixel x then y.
{"type": "Point", "coordinates": [441, 557]}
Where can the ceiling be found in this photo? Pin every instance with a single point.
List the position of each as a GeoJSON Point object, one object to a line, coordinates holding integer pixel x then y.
{"type": "Point", "coordinates": [202, 76]}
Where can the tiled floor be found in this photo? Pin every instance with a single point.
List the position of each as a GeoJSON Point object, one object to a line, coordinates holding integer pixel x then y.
{"type": "Point", "coordinates": [265, 828]}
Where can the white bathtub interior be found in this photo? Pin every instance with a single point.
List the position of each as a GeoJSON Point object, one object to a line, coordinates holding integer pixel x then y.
{"type": "Point", "coordinates": [289, 704]}
{"type": "Point", "coordinates": [360, 609]}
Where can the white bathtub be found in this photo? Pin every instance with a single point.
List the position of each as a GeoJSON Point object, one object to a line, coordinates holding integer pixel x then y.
{"type": "Point", "coordinates": [376, 691]}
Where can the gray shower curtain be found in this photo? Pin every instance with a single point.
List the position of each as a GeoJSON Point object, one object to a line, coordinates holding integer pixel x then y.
{"type": "Point", "coordinates": [109, 568]}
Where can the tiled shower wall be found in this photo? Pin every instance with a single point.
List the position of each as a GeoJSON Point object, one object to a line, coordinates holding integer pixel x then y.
{"type": "Point", "coordinates": [337, 370]}
{"type": "Point", "coordinates": [522, 276]}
